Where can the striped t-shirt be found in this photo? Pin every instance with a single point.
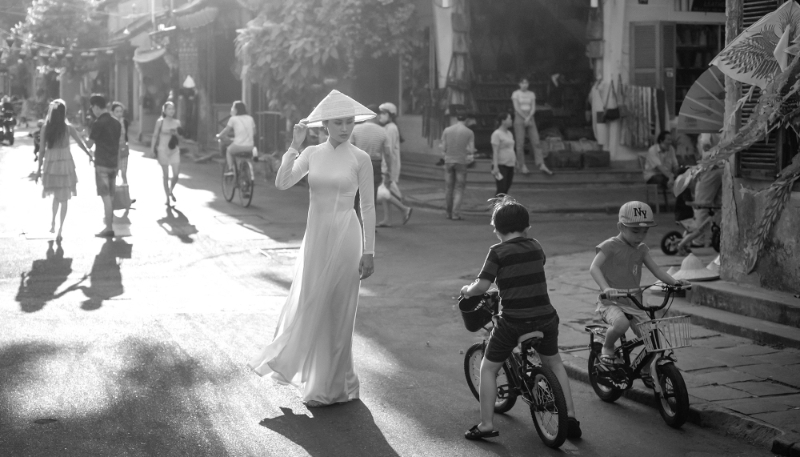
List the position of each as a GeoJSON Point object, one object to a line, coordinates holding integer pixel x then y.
{"type": "Point", "coordinates": [517, 267]}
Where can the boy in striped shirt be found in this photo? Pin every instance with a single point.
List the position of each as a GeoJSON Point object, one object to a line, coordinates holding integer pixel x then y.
{"type": "Point", "coordinates": [516, 265]}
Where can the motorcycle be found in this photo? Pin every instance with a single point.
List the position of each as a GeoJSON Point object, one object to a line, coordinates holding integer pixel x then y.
{"type": "Point", "coordinates": [7, 132]}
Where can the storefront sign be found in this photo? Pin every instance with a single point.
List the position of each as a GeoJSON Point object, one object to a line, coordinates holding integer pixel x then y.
{"type": "Point", "coordinates": [709, 6]}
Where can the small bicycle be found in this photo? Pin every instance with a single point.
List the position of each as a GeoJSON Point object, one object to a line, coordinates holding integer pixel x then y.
{"type": "Point", "coordinates": [522, 374]}
{"type": "Point", "coordinates": [242, 178]}
{"type": "Point", "coordinates": [660, 337]}
{"type": "Point", "coordinates": [670, 241]}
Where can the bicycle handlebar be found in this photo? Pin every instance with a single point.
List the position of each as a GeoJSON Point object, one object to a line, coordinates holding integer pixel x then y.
{"type": "Point", "coordinates": [631, 294]}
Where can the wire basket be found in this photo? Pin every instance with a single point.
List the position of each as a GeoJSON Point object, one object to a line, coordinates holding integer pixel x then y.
{"type": "Point", "coordinates": [672, 332]}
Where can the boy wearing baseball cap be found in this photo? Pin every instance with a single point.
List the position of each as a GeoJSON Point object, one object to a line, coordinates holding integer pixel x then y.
{"type": "Point", "coordinates": [618, 265]}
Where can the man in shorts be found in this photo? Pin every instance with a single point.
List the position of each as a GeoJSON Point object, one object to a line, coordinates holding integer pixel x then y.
{"type": "Point", "coordinates": [105, 133]}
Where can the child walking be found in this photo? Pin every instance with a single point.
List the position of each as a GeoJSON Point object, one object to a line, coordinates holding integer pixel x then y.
{"type": "Point", "coordinates": [618, 265]}
{"type": "Point", "coordinates": [516, 265]}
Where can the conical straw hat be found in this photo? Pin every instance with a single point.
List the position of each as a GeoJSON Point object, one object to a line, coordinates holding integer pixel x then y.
{"type": "Point", "coordinates": [336, 106]}
{"type": "Point", "coordinates": [693, 269]}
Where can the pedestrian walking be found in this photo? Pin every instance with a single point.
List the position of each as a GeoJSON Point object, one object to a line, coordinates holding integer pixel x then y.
{"type": "Point", "coordinates": [166, 138]}
{"type": "Point", "coordinates": [458, 143]}
{"type": "Point", "coordinates": [504, 160]}
{"type": "Point", "coordinates": [59, 178]}
{"type": "Point", "coordinates": [524, 101]}
{"type": "Point", "coordinates": [118, 111]}
{"type": "Point", "coordinates": [104, 135]}
{"type": "Point", "coordinates": [388, 114]}
{"type": "Point", "coordinates": [312, 346]}
{"type": "Point", "coordinates": [243, 128]}
{"type": "Point", "coordinates": [371, 138]}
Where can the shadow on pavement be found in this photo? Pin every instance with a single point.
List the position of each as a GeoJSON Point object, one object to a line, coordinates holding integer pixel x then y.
{"type": "Point", "coordinates": [138, 403]}
{"type": "Point", "coordinates": [175, 223]}
{"type": "Point", "coordinates": [346, 428]}
{"type": "Point", "coordinates": [39, 285]}
{"type": "Point", "coordinates": [105, 279]}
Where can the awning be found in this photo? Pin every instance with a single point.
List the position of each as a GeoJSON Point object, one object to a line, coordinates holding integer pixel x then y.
{"type": "Point", "coordinates": [147, 55]}
{"type": "Point", "coordinates": [197, 19]}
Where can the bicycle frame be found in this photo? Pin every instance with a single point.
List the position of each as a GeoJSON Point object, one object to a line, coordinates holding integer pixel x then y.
{"type": "Point", "coordinates": [644, 358]}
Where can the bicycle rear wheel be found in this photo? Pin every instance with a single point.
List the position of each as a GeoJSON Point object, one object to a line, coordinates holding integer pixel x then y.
{"type": "Point", "coordinates": [506, 396]}
{"type": "Point", "coordinates": [548, 407]}
{"type": "Point", "coordinates": [228, 183]}
{"type": "Point", "coordinates": [246, 181]}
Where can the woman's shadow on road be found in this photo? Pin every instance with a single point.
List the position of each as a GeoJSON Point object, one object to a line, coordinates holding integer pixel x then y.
{"type": "Point", "coordinates": [105, 279]}
{"type": "Point", "coordinates": [175, 223]}
{"type": "Point", "coordinates": [38, 286]}
{"type": "Point", "coordinates": [343, 429]}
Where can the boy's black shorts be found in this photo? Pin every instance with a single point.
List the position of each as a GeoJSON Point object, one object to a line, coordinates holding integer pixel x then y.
{"type": "Point", "coordinates": [506, 332]}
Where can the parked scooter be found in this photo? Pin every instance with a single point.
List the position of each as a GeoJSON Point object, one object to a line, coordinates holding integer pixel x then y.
{"type": "Point", "coordinates": [7, 132]}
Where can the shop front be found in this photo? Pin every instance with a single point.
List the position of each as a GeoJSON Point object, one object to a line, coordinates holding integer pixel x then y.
{"type": "Point", "coordinates": [652, 53]}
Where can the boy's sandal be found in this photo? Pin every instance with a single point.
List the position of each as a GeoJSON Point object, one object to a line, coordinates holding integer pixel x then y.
{"type": "Point", "coordinates": [476, 434]}
{"type": "Point", "coordinates": [607, 363]}
{"type": "Point", "coordinates": [457, 218]}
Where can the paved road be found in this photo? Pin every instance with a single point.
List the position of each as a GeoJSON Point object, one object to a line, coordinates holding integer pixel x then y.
{"type": "Point", "coordinates": [138, 346]}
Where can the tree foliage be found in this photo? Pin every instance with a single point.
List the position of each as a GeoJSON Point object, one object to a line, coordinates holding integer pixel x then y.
{"type": "Point", "coordinates": [295, 47]}
{"type": "Point", "coordinates": [63, 23]}
{"type": "Point", "coordinates": [13, 12]}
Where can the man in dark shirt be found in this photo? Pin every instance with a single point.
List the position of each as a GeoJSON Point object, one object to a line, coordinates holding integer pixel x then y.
{"type": "Point", "coordinates": [105, 132]}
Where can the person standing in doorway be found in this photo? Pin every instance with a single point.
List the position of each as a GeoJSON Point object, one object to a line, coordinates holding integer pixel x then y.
{"type": "Point", "coordinates": [458, 142]}
{"type": "Point", "coordinates": [504, 159]}
{"type": "Point", "coordinates": [388, 114]}
{"type": "Point", "coordinates": [524, 102]}
{"type": "Point", "coordinates": [104, 135]}
{"type": "Point", "coordinates": [165, 147]}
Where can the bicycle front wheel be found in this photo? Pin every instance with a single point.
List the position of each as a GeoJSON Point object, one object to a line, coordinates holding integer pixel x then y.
{"type": "Point", "coordinates": [228, 183]}
{"type": "Point", "coordinates": [548, 407]}
{"type": "Point", "coordinates": [246, 183]}
{"type": "Point", "coordinates": [673, 401]}
{"type": "Point", "coordinates": [506, 396]}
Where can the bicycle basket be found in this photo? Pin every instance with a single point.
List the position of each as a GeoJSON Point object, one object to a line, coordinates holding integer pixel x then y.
{"type": "Point", "coordinates": [477, 311]}
{"type": "Point", "coordinates": [673, 333]}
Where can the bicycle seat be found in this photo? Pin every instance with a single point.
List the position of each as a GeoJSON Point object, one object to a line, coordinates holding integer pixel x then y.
{"type": "Point", "coordinates": [529, 336]}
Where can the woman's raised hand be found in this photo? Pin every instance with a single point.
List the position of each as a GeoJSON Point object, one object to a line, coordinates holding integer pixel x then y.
{"type": "Point", "coordinates": [299, 135]}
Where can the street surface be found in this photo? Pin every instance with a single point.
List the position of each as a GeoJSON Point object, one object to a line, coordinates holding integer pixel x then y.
{"type": "Point", "coordinates": [138, 346]}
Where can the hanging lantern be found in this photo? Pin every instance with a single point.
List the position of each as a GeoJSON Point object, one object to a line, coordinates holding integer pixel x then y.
{"type": "Point", "coordinates": [34, 52]}
{"type": "Point", "coordinates": [10, 41]}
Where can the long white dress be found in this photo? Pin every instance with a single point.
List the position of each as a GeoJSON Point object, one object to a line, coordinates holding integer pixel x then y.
{"type": "Point", "coordinates": [312, 345]}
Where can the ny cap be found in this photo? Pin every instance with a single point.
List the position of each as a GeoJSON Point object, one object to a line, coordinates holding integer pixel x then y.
{"type": "Point", "coordinates": [636, 214]}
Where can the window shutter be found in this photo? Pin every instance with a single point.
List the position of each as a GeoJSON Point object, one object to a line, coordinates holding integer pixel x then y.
{"type": "Point", "coordinates": [760, 161]}
{"type": "Point", "coordinates": [644, 54]}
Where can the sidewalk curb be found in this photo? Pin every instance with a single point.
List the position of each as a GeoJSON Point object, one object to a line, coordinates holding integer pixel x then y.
{"type": "Point", "coordinates": [411, 201]}
{"type": "Point", "coordinates": [720, 420]}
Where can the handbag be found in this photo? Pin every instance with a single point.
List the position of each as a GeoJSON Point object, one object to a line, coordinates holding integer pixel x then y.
{"type": "Point", "coordinates": [122, 197]}
{"type": "Point", "coordinates": [383, 193]}
{"type": "Point", "coordinates": [173, 142]}
{"type": "Point", "coordinates": [611, 114]}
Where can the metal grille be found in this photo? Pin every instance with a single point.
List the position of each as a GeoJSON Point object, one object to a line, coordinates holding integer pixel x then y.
{"type": "Point", "coordinates": [760, 161]}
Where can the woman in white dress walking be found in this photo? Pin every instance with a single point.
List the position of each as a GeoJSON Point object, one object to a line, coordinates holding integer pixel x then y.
{"type": "Point", "coordinates": [312, 345]}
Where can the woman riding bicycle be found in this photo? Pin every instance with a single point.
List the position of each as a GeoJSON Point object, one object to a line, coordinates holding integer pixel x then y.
{"type": "Point", "coordinates": [243, 127]}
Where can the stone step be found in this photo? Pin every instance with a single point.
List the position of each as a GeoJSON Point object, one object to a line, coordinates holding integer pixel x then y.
{"type": "Point", "coordinates": [758, 330]}
{"type": "Point", "coordinates": [480, 174]}
{"type": "Point", "coordinates": [776, 307]}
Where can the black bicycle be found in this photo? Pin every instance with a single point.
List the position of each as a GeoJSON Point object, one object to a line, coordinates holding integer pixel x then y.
{"type": "Point", "coordinates": [242, 177]}
{"type": "Point", "coordinates": [660, 337]}
{"type": "Point", "coordinates": [521, 376]}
